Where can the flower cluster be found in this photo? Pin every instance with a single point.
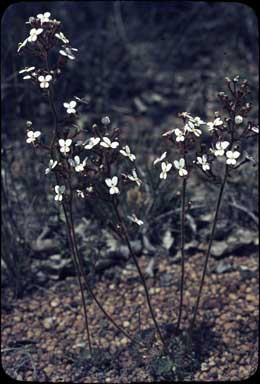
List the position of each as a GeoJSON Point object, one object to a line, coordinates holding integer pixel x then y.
{"type": "Point", "coordinates": [225, 133]}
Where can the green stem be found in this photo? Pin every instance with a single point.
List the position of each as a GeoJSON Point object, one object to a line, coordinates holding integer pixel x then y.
{"type": "Point", "coordinates": [82, 268]}
{"type": "Point", "coordinates": [209, 249]}
{"type": "Point", "coordinates": [73, 253]}
{"type": "Point", "coordinates": [126, 237]}
{"type": "Point", "coordinates": [182, 217]}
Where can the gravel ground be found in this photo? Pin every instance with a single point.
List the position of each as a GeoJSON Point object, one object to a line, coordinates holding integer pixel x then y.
{"type": "Point", "coordinates": [43, 336]}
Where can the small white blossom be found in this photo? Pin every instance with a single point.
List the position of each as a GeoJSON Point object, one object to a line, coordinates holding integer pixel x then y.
{"type": "Point", "coordinates": [203, 161]}
{"type": "Point", "coordinates": [186, 115]}
{"type": "Point", "coordinates": [65, 145]}
{"type": "Point", "coordinates": [27, 69]}
{"type": "Point", "coordinates": [180, 135]}
{"type": "Point", "coordinates": [44, 17]}
{"type": "Point", "coordinates": [180, 165]}
{"type": "Point", "coordinates": [92, 142]}
{"type": "Point", "coordinates": [238, 120]}
{"type": "Point", "coordinates": [220, 148]}
{"type": "Point", "coordinates": [106, 143]}
{"type": "Point", "coordinates": [59, 190]}
{"type": "Point", "coordinates": [105, 120]}
{"type": "Point", "coordinates": [216, 123]}
{"type": "Point", "coordinates": [135, 220]}
{"type": "Point", "coordinates": [32, 136]}
{"type": "Point", "coordinates": [34, 33]}
{"type": "Point", "coordinates": [255, 129]}
{"type": "Point", "coordinates": [191, 127]}
{"type": "Point", "coordinates": [197, 121]}
{"type": "Point", "coordinates": [79, 167]}
{"type": "Point", "coordinates": [231, 157]}
{"type": "Point", "coordinates": [80, 193]}
{"type": "Point", "coordinates": [44, 81]}
{"type": "Point", "coordinates": [170, 132]}
{"type": "Point", "coordinates": [112, 185]}
{"type": "Point", "coordinates": [134, 178]}
{"type": "Point", "coordinates": [67, 51]}
{"type": "Point", "coordinates": [70, 106]}
{"type": "Point", "coordinates": [21, 45]}
{"type": "Point", "coordinates": [125, 151]}
{"type": "Point", "coordinates": [161, 158]}
{"type": "Point", "coordinates": [52, 164]}
{"type": "Point", "coordinates": [89, 189]}
{"type": "Point", "coordinates": [166, 167]}
{"type": "Point", "coordinates": [61, 37]}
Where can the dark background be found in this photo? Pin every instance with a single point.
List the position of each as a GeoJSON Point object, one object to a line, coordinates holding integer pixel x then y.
{"type": "Point", "coordinates": [140, 63]}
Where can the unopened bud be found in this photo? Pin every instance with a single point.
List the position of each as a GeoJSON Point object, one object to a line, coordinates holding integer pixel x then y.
{"type": "Point", "coordinates": [105, 120]}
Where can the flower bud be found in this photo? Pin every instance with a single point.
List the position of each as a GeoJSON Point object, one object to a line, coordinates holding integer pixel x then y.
{"type": "Point", "coordinates": [105, 120]}
{"type": "Point", "coordinates": [238, 119]}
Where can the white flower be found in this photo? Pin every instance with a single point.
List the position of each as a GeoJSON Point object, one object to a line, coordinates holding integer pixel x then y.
{"type": "Point", "coordinates": [238, 119]}
{"type": "Point", "coordinates": [44, 17]}
{"type": "Point", "coordinates": [134, 178]}
{"type": "Point", "coordinates": [61, 37]}
{"type": "Point", "coordinates": [197, 121]}
{"type": "Point", "coordinates": [27, 77]}
{"type": "Point", "coordinates": [112, 185]}
{"type": "Point", "coordinates": [135, 220]}
{"type": "Point", "coordinates": [52, 164]}
{"type": "Point", "coordinates": [161, 158]}
{"type": "Point", "coordinates": [44, 81]}
{"type": "Point", "coordinates": [180, 135]}
{"type": "Point", "coordinates": [220, 148]}
{"type": "Point", "coordinates": [21, 45]}
{"type": "Point", "coordinates": [67, 51]}
{"type": "Point", "coordinates": [168, 132]}
{"type": "Point", "coordinates": [108, 144]}
{"type": "Point", "coordinates": [217, 122]}
{"type": "Point", "coordinates": [70, 106]}
{"type": "Point", "coordinates": [89, 189]}
{"type": "Point", "coordinates": [125, 151]}
{"type": "Point", "coordinates": [166, 167]}
{"type": "Point", "coordinates": [231, 157]}
{"type": "Point", "coordinates": [59, 190]}
{"type": "Point", "coordinates": [80, 193]}
{"type": "Point", "coordinates": [255, 129]}
{"type": "Point", "coordinates": [105, 120]}
{"type": "Point", "coordinates": [180, 165]}
{"type": "Point", "coordinates": [26, 69]}
{"type": "Point", "coordinates": [190, 127]}
{"type": "Point", "coordinates": [92, 142]}
{"type": "Point", "coordinates": [32, 136]}
{"type": "Point", "coordinates": [65, 145]}
{"type": "Point", "coordinates": [79, 167]}
{"type": "Point", "coordinates": [34, 33]}
{"type": "Point", "coordinates": [203, 161]}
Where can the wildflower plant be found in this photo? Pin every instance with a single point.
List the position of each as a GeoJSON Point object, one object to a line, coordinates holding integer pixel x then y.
{"type": "Point", "coordinates": [227, 133]}
{"type": "Point", "coordinates": [90, 168]}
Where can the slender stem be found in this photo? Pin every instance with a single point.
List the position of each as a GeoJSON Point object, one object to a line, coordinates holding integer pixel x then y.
{"type": "Point", "coordinates": [209, 248]}
{"type": "Point", "coordinates": [182, 217]}
{"type": "Point", "coordinates": [126, 237]}
{"type": "Point", "coordinates": [72, 248]}
{"type": "Point", "coordinates": [88, 285]}
{"type": "Point", "coordinates": [70, 237]}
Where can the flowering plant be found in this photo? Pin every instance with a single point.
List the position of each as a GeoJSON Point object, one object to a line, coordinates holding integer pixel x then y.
{"type": "Point", "coordinates": [100, 175]}
{"type": "Point", "coordinates": [226, 134]}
